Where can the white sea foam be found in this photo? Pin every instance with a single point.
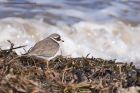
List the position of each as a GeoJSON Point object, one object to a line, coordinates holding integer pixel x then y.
{"type": "Point", "coordinates": [111, 41]}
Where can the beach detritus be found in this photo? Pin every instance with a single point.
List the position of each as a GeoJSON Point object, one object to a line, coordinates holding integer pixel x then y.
{"type": "Point", "coordinates": [30, 74]}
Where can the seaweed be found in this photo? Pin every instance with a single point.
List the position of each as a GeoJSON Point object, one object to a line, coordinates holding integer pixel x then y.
{"type": "Point", "coordinates": [29, 74]}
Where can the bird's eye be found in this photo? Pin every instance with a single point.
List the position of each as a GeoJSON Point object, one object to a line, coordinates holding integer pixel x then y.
{"type": "Point", "coordinates": [57, 38]}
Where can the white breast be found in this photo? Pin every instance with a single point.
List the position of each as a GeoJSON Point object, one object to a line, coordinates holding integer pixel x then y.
{"type": "Point", "coordinates": [58, 53]}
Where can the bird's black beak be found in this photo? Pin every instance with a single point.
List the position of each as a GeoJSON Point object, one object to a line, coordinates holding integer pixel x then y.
{"type": "Point", "coordinates": [62, 40]}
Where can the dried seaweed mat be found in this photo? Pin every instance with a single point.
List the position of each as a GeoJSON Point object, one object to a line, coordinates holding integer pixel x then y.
{"type": "Point", "coordinates": [26, 74]}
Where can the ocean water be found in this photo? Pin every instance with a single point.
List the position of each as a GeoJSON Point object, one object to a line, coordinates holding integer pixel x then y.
{"type": "Point", "coordinates": [109, 29]}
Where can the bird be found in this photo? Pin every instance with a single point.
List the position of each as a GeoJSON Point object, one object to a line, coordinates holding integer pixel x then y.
{"type": "Point", "coordinates": [47, 48]}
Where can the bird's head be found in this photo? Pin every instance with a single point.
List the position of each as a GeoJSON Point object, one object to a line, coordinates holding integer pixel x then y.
{"type": "Point", "coordinates": [56, 37]}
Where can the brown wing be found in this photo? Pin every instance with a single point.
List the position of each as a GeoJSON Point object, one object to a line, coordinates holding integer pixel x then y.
{"type": "Point", "coordinates": [46, 48]}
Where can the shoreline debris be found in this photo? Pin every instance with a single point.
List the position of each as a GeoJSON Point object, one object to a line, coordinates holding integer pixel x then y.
{"type": "Point", "coordinates": [28, 74]}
